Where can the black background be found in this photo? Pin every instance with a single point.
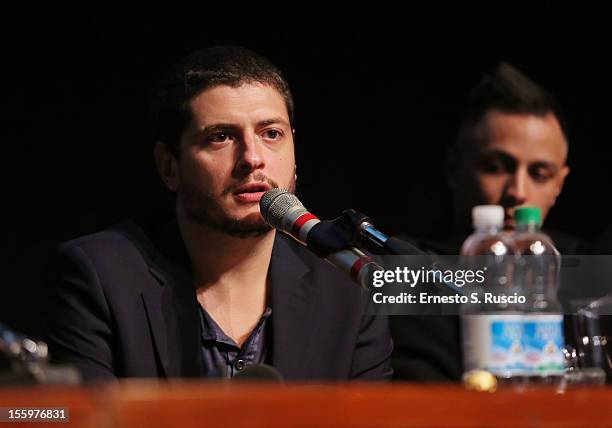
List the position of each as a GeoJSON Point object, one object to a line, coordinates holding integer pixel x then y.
{"type": "Point", "coordinates": [378, 98]}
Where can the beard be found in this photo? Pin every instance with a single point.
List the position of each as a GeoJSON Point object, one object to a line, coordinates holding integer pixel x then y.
{"type": "Point", "coordinates": [203, 208]}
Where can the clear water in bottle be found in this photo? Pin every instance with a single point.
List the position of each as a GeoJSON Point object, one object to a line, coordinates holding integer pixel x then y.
{"type": "Point", "coordinates": [538, 276]}
{"type": "Point", "coordinates": [492, 332]}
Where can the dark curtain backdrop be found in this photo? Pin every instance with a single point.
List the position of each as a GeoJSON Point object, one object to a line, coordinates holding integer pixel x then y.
{"type": "Point", "coordinates": [378, 101]}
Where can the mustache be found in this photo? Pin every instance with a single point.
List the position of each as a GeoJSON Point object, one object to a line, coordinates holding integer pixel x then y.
{"type": "Point", "coordinates": [257, 177]}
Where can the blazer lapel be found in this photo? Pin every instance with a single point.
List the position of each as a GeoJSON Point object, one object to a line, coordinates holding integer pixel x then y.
{"type": "Point", "coordinates": [293, 298]}
{"type": "Point", "coordinates": [172, 309]}
{"type": "Point", "coordinates": [175, 325]}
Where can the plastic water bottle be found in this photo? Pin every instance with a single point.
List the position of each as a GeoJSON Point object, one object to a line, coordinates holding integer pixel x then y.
{"type": "Point", "coordinates": [492, 328]}
{"type": "Point", "coordinates": [540, 263]}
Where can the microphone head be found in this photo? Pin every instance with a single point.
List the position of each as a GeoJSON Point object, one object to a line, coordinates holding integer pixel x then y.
{"type": "Point", "coordinates": [275, 204]}
{"type": "Point", "coordinates": [258, 372]}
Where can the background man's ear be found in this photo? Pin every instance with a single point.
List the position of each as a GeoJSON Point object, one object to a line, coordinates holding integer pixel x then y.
{"type": "Point", "coordinates": [167, 166]}
{"type": "Point", "coordinates": [561, 179]}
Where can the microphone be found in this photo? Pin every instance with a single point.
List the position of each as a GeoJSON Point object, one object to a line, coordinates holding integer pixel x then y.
{"type": "Point", "coordinates": [24, 361]}
{"type": "Point", "coordinates": [284, 211]}
{"type": "Point", "coordinates": [258, 373]}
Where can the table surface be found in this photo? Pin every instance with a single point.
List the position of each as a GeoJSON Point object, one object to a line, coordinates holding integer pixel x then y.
{"type": "Point", "coordinates": [199, 404]}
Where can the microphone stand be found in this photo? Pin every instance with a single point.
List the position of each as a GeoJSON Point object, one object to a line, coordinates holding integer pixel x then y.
{"type": "Point", "coordinates": [363, 230]}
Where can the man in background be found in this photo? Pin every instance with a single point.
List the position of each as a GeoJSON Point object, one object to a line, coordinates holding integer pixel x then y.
{"type": "Point", "coordinates": [511, 150]}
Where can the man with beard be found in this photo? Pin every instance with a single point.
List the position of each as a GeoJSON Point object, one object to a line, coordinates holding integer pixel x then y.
{"type": "Point", "coordinates": [216, 290]}
{"type": "Point", "coordinates": [511, 151]}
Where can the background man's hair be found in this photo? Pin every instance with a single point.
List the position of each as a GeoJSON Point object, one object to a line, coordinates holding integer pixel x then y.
{"type": "Point", "coordinates": [507, 90]}
{"type": "Point", "coordinates": [220, 65]}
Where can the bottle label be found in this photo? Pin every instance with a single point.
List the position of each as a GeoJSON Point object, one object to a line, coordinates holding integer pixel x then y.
{"type": "Point", "coordinates": [543, 344]}
{"type": "Point", "coordinates": [493, 342]}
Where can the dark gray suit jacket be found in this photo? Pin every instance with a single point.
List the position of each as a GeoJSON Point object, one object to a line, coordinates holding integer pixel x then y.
{"type": "Point", "coordinates": [121, 303]}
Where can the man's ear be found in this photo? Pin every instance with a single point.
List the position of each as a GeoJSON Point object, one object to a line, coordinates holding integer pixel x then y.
{"type": "Point", "coordinates": [167, 166]}
{"type": "Point", "coordinates": [561, 178]}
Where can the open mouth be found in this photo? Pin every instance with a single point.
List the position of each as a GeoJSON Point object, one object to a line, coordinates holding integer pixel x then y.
{"type": "Point", "coordinates": [251, 192]}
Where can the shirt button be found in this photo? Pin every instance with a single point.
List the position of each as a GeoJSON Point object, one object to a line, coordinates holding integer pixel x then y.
{"type": "Point", "coordinates": [240, 364]}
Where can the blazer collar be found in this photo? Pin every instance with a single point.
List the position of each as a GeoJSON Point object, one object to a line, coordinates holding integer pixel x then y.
{"type": "Point", "coordinates": [292, 300]}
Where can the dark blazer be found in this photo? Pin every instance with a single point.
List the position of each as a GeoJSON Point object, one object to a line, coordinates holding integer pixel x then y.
{"type": "Point", "coordinates": [121, 303]}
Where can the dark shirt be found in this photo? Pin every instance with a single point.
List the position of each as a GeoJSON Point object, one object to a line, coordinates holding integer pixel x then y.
{"type": "Point", "coordinates": [223, 358]}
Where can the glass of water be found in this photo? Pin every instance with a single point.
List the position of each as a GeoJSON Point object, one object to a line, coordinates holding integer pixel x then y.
{"type": "Point", "coordinates": [589, 358]}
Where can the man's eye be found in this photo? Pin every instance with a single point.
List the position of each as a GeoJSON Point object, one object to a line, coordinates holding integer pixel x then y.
{"type": "Point", "coordinates": [272, 134]}
{"type": "Point", "coordinates": [491, 167]}
{"type": "Point", "coordinates": [218, 137]}
{"type": "Point", "coordinates": [541, 175]}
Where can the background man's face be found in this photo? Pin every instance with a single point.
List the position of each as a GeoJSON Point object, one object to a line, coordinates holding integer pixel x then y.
{"type": "Point", "coordinates": [239, 144]}
{"type": "Point", "coordinates": [516, 160]}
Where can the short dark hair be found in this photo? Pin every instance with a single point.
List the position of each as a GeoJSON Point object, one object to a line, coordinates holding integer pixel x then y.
{"type": "Point", "coordinates": [202, 70]}
{"type": "Point", "coordinates": [508, 90]}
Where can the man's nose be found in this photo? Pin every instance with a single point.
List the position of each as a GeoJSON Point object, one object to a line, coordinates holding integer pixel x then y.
{"type": "Point", "coordinates": [250, 156]}
{"type": "Point", "coordinates": [518, 187]}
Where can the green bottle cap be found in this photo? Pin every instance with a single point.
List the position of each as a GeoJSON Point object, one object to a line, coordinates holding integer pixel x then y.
{"type": "Point", "coordinates": [528, 215]}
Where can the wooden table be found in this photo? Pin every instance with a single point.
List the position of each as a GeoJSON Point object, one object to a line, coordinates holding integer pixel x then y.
{"type": "Point", "coordinates": [200, 404]}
